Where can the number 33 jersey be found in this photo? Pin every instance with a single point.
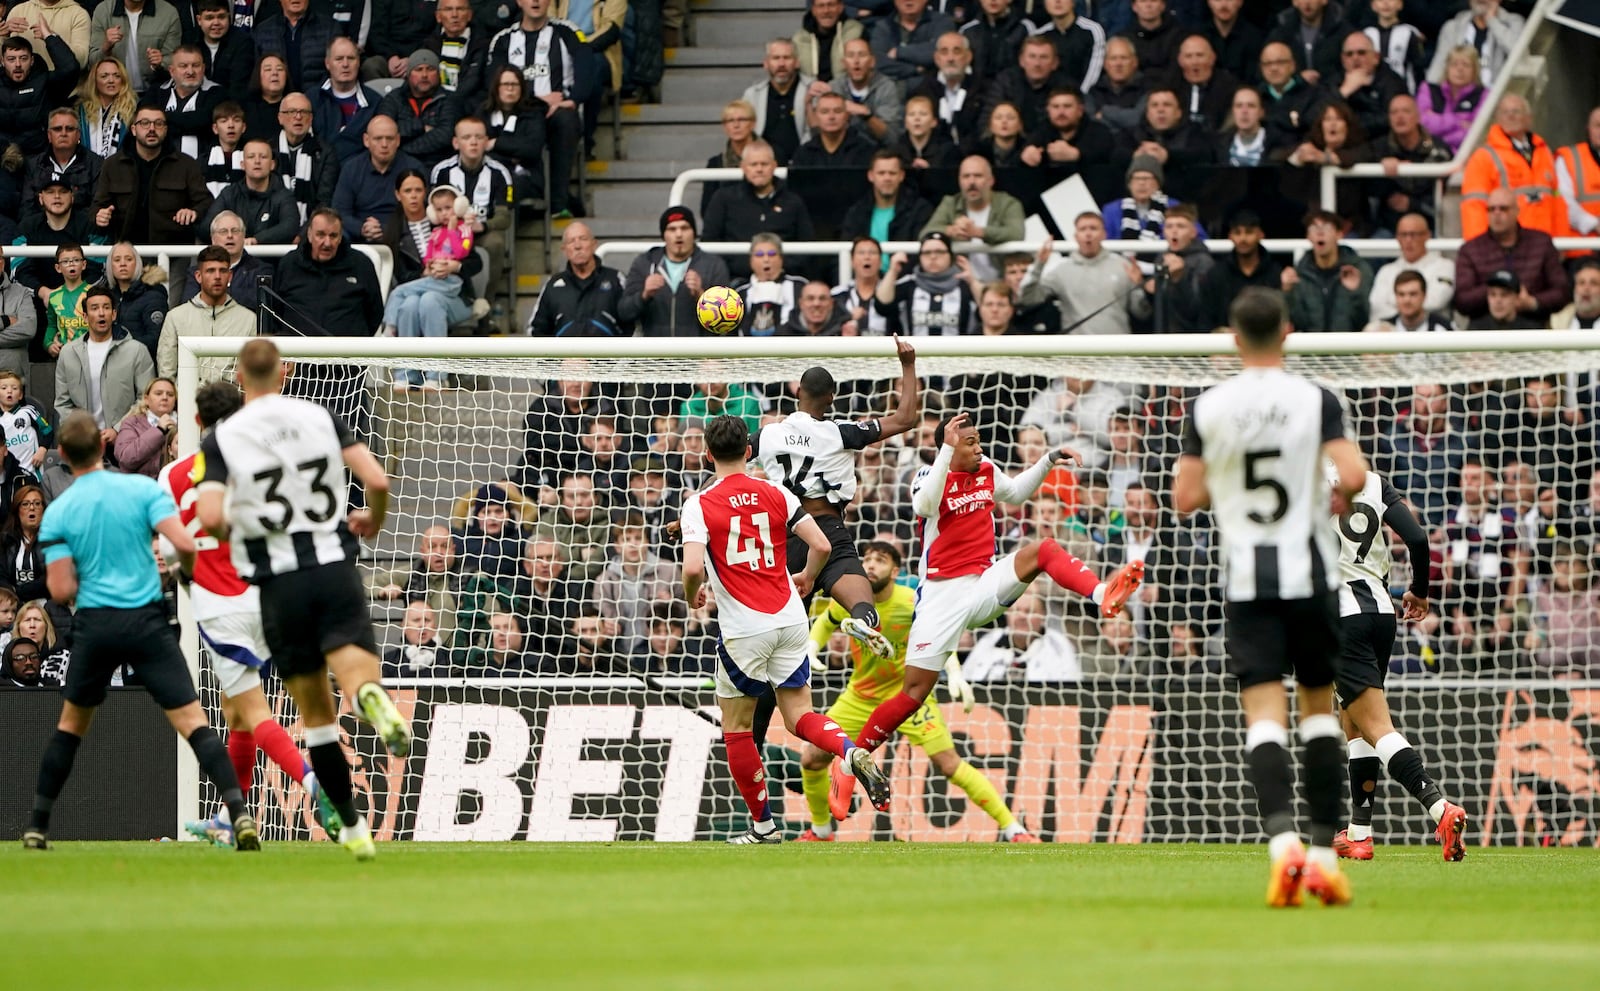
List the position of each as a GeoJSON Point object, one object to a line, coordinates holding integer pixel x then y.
{"type": "Point", "coordinates": [282, 462]}
{"type": "Point", "coordinates": [812, 457]}
{"type": "Point", "coordinates": [1261, 434]}
{"type": "Point", "coordinates": [743, 524]}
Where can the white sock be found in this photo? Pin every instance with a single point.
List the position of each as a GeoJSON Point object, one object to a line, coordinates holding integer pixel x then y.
{"type": "Point", "coordinates": [224, 817]}
{"type": "Point", "coordinates": [765, 826]}
{"type": "Point", "coordinates": [1357, 832]}
{"type": "Point", "coordinates": [1388, 746]}
{"type": "Point", "coordinates": [823, 831]}
{"type": "Point", "coordinates": [1323, 857]}
{"type": "Point", "coordinates": [1281, 844]}
{"type": "Point", "coordinates": [1436, 810]}
{"type": "Point", "coordinates": [844, 762]}
{"type": "Point", "coordinates": [1012, 830]}
{"type": "Point", "coordinates": [1099, 595]}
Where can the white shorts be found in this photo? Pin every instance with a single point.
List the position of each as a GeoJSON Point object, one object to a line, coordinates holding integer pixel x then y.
{"type": "Point", "coordinates": [946, 609]}
{"type": "Point", "coordinates": [746, 666]}
{"type": "Point", "coordinates": [238, 649]}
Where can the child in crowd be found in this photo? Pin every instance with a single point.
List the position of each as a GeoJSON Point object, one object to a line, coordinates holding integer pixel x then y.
{"type": "Point", "coordinates": [64, 318]}
{"type": "Point", "coordinates": [25, 432]}
{"type": "Point", "coordinates": [1398, 44]}
{"type": "Point", "coordinates": [224, 165]}
{"type": "Point", "coordinates": [452, 216]}
{"type": "Point", "coordinates": [8, 613]}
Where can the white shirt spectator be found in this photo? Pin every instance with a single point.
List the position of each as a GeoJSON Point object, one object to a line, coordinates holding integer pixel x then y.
{"type": "Point", "coordinates": [1439, 271]}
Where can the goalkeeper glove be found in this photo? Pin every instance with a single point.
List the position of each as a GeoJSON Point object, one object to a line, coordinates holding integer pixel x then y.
{"type": "Point", "coordinates": [960, 690]}
{"type": "Point", "coordinates": [813, 655]}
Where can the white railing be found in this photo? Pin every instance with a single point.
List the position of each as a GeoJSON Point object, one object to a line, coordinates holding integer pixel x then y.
{"type": "Point", "coordinates": [1469, 143]}
{"type": "Point", "coordinates": [162, 254]}
{"type": "Point", "coordinates": [681, 184]}
{"type": "Point", "coordinates": [1294, 247]}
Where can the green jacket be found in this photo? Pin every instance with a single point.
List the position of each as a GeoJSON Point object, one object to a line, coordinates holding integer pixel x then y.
{"type": "Point", "coordinates": [1005, 217]}
{"type": "Point", "coordinates": [1319, 301]}
{"type": "Point", "coordinates": [739, 402]}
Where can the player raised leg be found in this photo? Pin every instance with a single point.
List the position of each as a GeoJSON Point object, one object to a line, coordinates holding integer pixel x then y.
{"type": "Point", "coordinates": [1367, 617]}
{"type": "Point", "coordinates": [734, 542]}
{"type": "Point", "coordinates": [106, 520]}
{"type": "Point", "coordinates": [1253, 449]}
{"type": "Point", "coordinates": [963, 587]}
{"type": "Point", "coordinates": [282, 461]}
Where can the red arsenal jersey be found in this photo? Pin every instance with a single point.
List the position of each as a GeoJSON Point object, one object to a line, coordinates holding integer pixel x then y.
{"type": "Point", "coordinates": [958, 539]}
{"type": "Point", "coordinates": [744, 524]}
{"type": "Point", "coordinates": [213, 570]}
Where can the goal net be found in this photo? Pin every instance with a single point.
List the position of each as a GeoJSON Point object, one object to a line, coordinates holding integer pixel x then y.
{"type": "Point", "coordinates": [531, 617]}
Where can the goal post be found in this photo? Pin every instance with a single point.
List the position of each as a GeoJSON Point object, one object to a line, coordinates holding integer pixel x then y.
{"type": "Point", "coordinates": [538, 721]}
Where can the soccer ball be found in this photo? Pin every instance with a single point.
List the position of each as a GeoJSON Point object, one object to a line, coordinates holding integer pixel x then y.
{"type": "Point", "coordinates": [720, 310]}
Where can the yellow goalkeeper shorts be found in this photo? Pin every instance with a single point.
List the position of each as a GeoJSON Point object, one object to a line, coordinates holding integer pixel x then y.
{"type": "Point", "coordinates": [925, 727]}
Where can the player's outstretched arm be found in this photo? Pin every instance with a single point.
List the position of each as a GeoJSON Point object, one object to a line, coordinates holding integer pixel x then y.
{"type": "Point", "coordinates": [1189, 492]}
{"type": "Point", "coordinates": [1018, 489]}
{"type": "Point", "coordinates": [1399, 518]}
{"type": "Point", "coordinates": [908, 407]}
{"type": "Point", "coordinates": [817, 550]}
{"type": "Point", "coordinates": [367, 522]}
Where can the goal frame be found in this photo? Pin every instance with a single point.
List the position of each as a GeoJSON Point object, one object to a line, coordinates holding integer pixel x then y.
{"type": "Point", "coordinates": [945, 351]}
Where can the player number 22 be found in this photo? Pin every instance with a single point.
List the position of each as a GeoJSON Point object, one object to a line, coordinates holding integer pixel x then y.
{"type": "Point", "coordinates": [756, 551]}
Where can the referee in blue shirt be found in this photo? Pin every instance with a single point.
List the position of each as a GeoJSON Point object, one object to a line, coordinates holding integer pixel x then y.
{"type": "Point", "coordinates": [96, 539]}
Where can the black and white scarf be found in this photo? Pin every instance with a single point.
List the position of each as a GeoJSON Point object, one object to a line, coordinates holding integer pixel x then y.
{"type": "Point", "coordinates": [453, 59]}
{"type": "Point", "coordinates": [294, 168]}
{"type": "Point", "coordinates": [189, 145]}
{"type": "Point", "coordinates": [548, 61]}
{"type": "Point", "coordinates": [223, 169]}
{"type": "Point", "coordinates": [103, 131]}
{"type": "Point", "coordinates": [1151, 226]}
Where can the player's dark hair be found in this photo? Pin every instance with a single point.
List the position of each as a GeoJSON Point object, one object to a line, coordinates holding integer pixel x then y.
{"type": "Point", "coordinates": [1258, 314]}
{"type": "Point", "coordinates": [817, 382]}
{"type": "Point", "coordinates": [727, 437]}
{"type": "Point", "coordinates": [67, 248]}
{"type": "Point", "coordinates": [885, 548]}
{"type": "Point", "coordinates": [227, 110]}
{"type": "Point", "coordinates": [216, 401]}
{"type": "Point", "coordinates": [80, 440]}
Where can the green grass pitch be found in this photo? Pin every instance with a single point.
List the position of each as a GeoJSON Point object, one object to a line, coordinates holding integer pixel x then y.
{"type": "Point", "coordinates": [879, 916]}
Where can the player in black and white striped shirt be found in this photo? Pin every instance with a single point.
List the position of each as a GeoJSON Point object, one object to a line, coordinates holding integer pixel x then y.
{"type": "Point", "coordinates": [1367, 619]}
{"type": "Point", "coordinates": [282, 461]}
{"type": "Point", "coordinates": [1253, 448]}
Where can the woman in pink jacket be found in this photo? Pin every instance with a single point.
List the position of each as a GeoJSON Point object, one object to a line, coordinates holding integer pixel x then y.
{"type": "Point", "coordinates": [141, 445]}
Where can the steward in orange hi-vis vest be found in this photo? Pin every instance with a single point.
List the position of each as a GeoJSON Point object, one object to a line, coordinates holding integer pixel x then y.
{"type": "Point", "coordinates": [1532, 176]}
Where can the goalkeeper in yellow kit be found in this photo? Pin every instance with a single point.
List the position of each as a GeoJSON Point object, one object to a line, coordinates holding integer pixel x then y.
{"type": "Point", "coordinates": [874, 680]}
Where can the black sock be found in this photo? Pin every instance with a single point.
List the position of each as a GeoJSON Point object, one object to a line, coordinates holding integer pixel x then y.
{"type": "Point", "coordinates": [333, 776]}
{"type": "Point", "coordinates": [766, 705]}
{"type": "Point", "coordinates": [1323, 763]}
{"type": "Point", "coordinates": [865, 612]}
{"type": "Point", "coordinates": [1364, 774]}
{"type": "Point", "coordinates": [1268, 770]}
{"type": "Point", "coordinates": [214, 763]}
{"type": "Point", "coordinates": [54, 769]}
{"type": "Point", "coordinates": [1406, 768]}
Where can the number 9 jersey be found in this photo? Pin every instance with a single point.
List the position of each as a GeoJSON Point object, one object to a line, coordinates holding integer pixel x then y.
{"type": "Point", "coordinates": [281, 460]}
{"type": "Point", "coordinates": [1364, 558]}
{"type": "Point", "coordinates": [743, 523]}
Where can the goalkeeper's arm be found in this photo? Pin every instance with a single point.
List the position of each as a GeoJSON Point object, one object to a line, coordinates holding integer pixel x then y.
{"type": "Point", "coordinates": [822, 629]}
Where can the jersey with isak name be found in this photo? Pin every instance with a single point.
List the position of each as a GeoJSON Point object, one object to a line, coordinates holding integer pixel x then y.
{"type": "Point", "coordinates": [743, 523]}
{"type": "Point", "coordinates": [814, 458]}
{"type": "Point", "coordinates": [958, 539]}
{"type": "Point", "coordinates": [874, 678]}
{"type": "Point", "coordinates": [213, 568]}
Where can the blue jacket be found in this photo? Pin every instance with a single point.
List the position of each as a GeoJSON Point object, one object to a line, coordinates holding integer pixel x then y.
{"type": "Point", "coordinates": [327, 120]}
{"type": "Point", "coordinates": [365, 192]}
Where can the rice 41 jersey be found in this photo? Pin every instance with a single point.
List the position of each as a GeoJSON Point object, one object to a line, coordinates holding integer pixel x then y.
{"type": "Point", "coordinates": [213, 569]}
{"type": "Point", "coordinates": [1364, 558]}
{"type": "Point", "coordinates": [813, 458]}
{"type": "Point", "coordinates": [743, 523]}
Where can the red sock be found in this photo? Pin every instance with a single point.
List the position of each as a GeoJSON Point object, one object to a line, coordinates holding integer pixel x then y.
{"type": "Point", "coordinates": [885, 719]}
{"type": "Point", "coordinates": [1066, 570]}
{"type": "Point", "coordinates": [280, 749]}
{"type": "Point", "coordinates": [817, 729]}
{"type": "Point", "coordinates": [745, 762]}
{"type": "Point", "coordinates": [242, 754]}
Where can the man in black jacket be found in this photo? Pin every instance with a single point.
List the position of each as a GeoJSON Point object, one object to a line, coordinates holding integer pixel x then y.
{"type": "Point", "coordinates": [665, 283]}
{"type": "Point", "coordinates": [908, 212]}
{"type": "Point", "coordinates": [29, 88]}
{"type": "Point", "coordinates": [1167, 136]}
{"type": "Point", "coordinates": [231, 64]}
{"type": "Point", "coordinates": [424, 112]}
{"type": "Point", "coordinates": [1205, 92]}
{"type": "Point", "coordinates": [1247, 265]}
{"type": "Point", "coordinates": [463, 52]}
{"type": "Point", "coordinates": [1027, 84]}
{"type": "Point", "coordinates": [1366, 83]}
{"type": "Point", "coordinates": [190, 100]}
{"type": "Point", "coordinates": [584, 299]}
{"type": "Point", "coordinates": [1068, 140]}
{"type": "Point", "coordinates": [333, 287]}
{"type": "Point", "coordinates": [307, 165]}
{"type": "Point", "coordinates": [1236, 41]}
{"type": "Point", "coordinates": [1288, 97]}
{"type": "Point", "coordinates": [66, 158]}
{"type": "Point", "coordinates": [760, 203]}
{"type": "Point", "coordinates": [399, 27]}
{"type": "Point", "coordinates": [1312, 29]}
{"type": "Point", "coordinates": [301, 36]}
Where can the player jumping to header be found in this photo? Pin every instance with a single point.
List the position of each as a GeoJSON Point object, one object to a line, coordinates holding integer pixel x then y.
{"type": "Point", "coordinates": [872, 681]}
{"type": "Point", "coordinates": [734, 536]}
{"type": "Point", "coordinates": [1367, 619]}
{"type": "Point", "coordinates": [228, 612]}
{"type": "Point", "coordinates": [1253, 448]}
{"type": "Point", "coordinates": [282, 461]}
{"type": "Point", "coordinates": [963, 586]}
